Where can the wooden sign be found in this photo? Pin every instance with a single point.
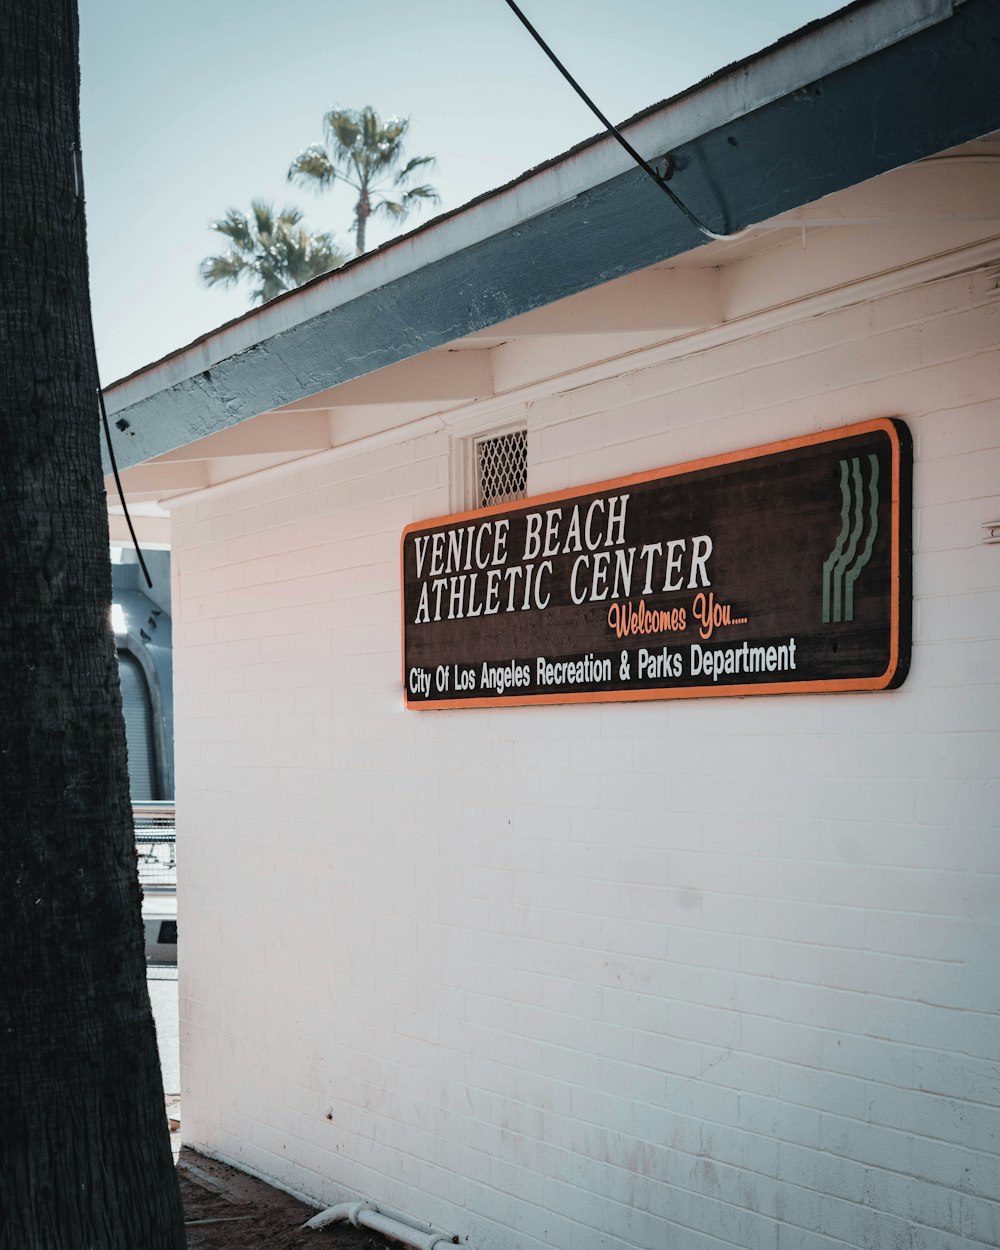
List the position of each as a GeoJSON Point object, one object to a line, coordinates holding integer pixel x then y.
{"type": "Point", "coordinates": [778, 569]}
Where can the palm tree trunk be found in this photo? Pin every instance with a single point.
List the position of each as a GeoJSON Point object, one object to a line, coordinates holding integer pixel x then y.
{"type": "Point", "coordinates": [362, 212]}
{"type": "Point", "coordinates": [84, 1149]}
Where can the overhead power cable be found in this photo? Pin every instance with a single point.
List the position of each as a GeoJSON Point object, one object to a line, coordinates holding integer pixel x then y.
{"type": "Point", "coordinates": [613, 130]}
{"type": "Point", "coordinates": [78, 179]}
{"type": "Point", "coordinates": [118, 481]}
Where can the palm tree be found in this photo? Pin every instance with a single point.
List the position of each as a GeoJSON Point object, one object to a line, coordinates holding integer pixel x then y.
{"type": "Point", "coordinates": [84, 1150]}
{"type": "Point", "coordinates": [366, 153]}
{"type": "Point", "coordinates": [275, 252]}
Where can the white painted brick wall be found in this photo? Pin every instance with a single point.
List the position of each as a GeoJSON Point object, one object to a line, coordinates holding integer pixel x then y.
{"type": "Point", "coordinates": [706, 974]}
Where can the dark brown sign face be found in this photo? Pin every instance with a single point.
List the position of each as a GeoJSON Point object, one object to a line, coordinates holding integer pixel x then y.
{"type": "Point", "coordinates": [773, 570]}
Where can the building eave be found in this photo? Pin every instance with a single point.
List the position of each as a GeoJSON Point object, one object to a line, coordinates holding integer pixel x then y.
{"type": "Point", "coordinates": [866, 91]}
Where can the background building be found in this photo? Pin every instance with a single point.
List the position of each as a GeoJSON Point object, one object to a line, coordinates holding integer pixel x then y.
{"type": "Point", "coordinates": [141, 620]}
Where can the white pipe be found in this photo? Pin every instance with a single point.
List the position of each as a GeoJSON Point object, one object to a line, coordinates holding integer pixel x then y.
{"type": "Point", "coordinates": [393, 1224]}
{"type": "Point", "coordinates": [420, 1225]}
{"type": "Point", "coordinates": [343, 1211]}
{"type": "Point", "coordinates": [402, 1232]}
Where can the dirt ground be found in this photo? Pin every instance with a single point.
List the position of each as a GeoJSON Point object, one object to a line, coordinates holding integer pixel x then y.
{"type": "Point", "coordinates": [227, 1210]}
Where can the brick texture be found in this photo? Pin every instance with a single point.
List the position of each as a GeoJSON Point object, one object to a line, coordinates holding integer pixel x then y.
{"type": "Point", "coordinates": [706, 974]}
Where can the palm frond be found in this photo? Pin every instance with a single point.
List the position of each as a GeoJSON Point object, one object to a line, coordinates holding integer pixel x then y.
{"type": "Point", "coordinates": [421, 193]}
{"type": "Point", "coordinates": [222, 270]}
{"type": "Point", "coordinates": [414, 163]}
{"type": "Point", "coordinates": [234, 226]}
{"type": "Point", "coordinates": [313, 166]}
{"type": "Point", "coordinates": [274, 251]}
{"type": "Point", "coordinates": [343, 129]}
{"type": "Point", "coordinates": [389, 208]}
{"type": "Point", "coordinates": [263, 216]}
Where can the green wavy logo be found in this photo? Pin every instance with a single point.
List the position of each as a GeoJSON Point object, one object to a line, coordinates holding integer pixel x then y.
{"type": "Point", "coordinates": [858, 530]}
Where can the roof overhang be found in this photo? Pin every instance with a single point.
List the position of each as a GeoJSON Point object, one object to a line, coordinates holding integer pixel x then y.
{"type": "Point", "coordinates": [879, 85]}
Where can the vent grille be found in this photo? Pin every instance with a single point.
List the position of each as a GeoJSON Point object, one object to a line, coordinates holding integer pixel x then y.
{"type": "Point", "coordinates": [501, 467]}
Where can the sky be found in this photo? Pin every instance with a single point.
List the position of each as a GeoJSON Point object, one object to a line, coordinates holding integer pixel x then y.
{"type": "Point", "coordinates": [190, 107]}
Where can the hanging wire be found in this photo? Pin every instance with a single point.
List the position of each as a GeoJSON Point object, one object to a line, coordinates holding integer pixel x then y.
{"type": "Point", "coordinates": [77, 158]}
{"type": "Point", "coordinates": [118, 481]}
{"type": "Point", "coordinates": [612, 129]}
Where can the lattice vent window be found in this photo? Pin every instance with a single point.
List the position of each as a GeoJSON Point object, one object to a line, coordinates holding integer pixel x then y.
{"type": "Point", "coordinates": [501, 467]}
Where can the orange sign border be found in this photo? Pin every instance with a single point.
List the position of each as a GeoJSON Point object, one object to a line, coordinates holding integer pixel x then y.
{"type": "Point", "coordinates": [899, 658]}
